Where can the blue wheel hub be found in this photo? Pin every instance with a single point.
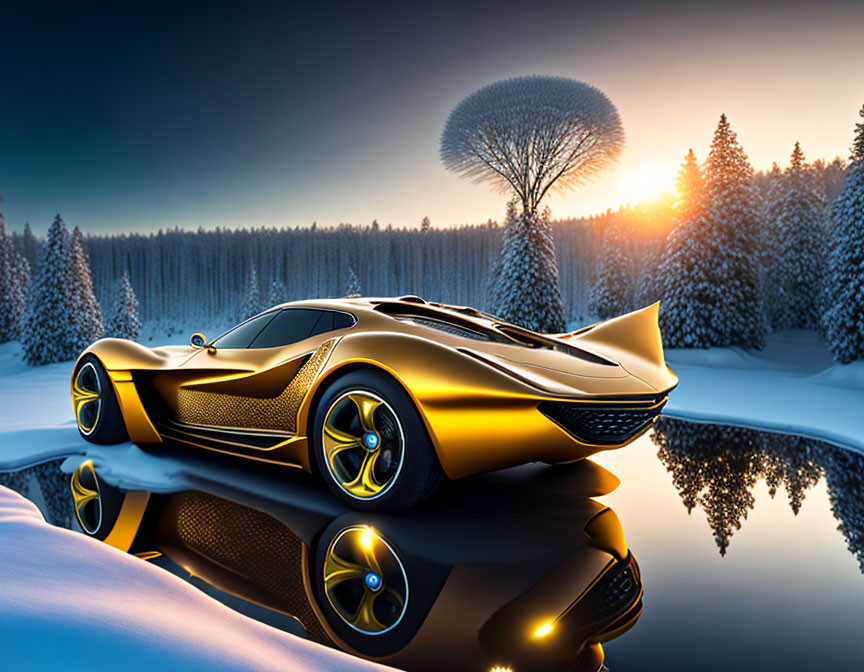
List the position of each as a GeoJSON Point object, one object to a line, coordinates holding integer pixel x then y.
{"type": "Point", "coordinates": [371, 440]}
{"type": "Point", "coordinates": [373, 581]}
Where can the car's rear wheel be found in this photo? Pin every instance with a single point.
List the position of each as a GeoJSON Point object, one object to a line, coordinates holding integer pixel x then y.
{"type": "Point", "coordinates": [371, 446]}
{"type": "Point", "coordinates": [96, 409]}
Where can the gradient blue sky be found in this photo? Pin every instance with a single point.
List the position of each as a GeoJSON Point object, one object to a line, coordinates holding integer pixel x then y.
{"type": "Point", "coordinates": [136, 116]}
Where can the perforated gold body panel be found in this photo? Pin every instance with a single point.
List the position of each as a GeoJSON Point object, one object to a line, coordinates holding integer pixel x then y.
{"type": "Point", "coordinates": [244, 551]}
{"type": "Point", "coordinates": [279, 413]}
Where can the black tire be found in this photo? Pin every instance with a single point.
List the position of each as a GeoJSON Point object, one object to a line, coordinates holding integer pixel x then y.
{"type": "Point", "coordinates": [107, 425]}
{"type": "Point", "coordinates": [97, 515]}
{"type": "Point", "coordinates": [417, 472]}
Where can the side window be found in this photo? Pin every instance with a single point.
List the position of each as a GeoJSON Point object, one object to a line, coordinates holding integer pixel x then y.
{"type": "Point", "coordinates": [291, 325]}
{"type": "Point", "coordinates": [242, 335]}
{"type": "Point", "coordinates": [332, 320]}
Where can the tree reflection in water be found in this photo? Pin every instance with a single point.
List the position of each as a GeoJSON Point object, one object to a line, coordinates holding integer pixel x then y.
{"type": "Point", "coordinates": [48, 487]}
{"type": "Point", "coordinates": [718, 466]}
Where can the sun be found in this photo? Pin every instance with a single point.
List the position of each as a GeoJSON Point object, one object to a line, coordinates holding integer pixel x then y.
{"type": "Point", "coordinates": [644, 183]}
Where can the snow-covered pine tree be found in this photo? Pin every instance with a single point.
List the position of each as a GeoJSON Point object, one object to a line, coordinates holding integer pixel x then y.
{"type": "Point", "coordinates": [353, 284]}
{"type": "Point", "coordinates": [730, 225]}
{"type": "Point", "coordinates": [691, 189]}
{"type": "Point", "coordinates": [646, 290]}
{"type": "Point", "coordinates": [252, 297]}
{"type": "Point", "coordinates": [86, 318]}
{"type": "Point", "coordinates": [733, 214]}
{"type": "Point", "coordinates": [278, 293]}
{"type": "Point", "coordinates": [14, 279]}
{"type": "Point", "coordinates": [844, 288]}
{"type": "Point", "coordinates": [525, 274]}
{"type": "Point", "coordinates": [20, 271]}
{"type": "Point", "coordinates": [28, 245]}
{"type": "Point", "coordinates": [612, 292]}
{"type": "Point", "coordinates": [45, 336]}
{"type": "Point", "coordinates": [124, 321]}
{"type": "Point", "coordinates": [682, 276]}
{"type": "Point", "coordinates": [798, 211]}
{"type": "Point", "coordinates": [425, 225]}
{"type": "Point", "coordinates": [770, 185]}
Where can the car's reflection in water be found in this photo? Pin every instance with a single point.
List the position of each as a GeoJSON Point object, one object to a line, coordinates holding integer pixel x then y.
{"type": "Point", "coordinates": [518, 569]}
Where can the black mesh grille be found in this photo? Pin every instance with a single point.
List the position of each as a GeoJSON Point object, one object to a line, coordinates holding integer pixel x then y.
{"type": "Point", "coordinates": [446, 327]}
{"type": "Point", "coordinates": [599, 424]}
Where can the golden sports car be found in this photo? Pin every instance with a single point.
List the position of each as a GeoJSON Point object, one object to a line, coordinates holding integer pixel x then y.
{"type": "Point", "coordinates": [382, 397]}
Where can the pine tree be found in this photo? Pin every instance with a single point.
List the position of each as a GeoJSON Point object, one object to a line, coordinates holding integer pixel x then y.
{"type": "Point", "coordinates": [691, 189]}
{"type": "Point", "coordinates": [45, 337]}
{"type": "Point", "coordinates": [525, 275]}
{"type": "Point", "coordinates": [612, 292]}
{"type": "Point", "coordinates": [86, 318]}
{"type": "Point", "coordinates": [14, 279]}
{"type": "Point", "coordinates": [425, 225]}
{"type": "Point", "coordinates": [713, 285]}
{"type": "Point", "coordinates": [682, 276]}
{"type": "Point", "coordinates": [773, 296]}
{"type": "Point", "coordinates": [124, 321]}
{"type": "Point", "coordinates": [353, 284]}
{"type": "Point", "coordinates": [278, 293]}
{"type": "Point", "coordinates": [798, 213]}
{"type": "Point", "coordinates": [843, 474]}
{"type": "Point", "coordinates": [29, 245]}
{"type": "Point", "coordinates": [733, 216]}
{"type": "Point", "coordinates": [252, 298]}
{"type": "Point", "coordinates": [844, 294]}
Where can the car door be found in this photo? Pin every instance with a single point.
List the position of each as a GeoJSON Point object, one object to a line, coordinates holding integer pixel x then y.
{"type": "Point", "coordinates": [249, 380]}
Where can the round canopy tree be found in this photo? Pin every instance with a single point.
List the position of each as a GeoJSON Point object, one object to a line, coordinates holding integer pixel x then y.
{"type": "Point", "coordinates": [527, 136]}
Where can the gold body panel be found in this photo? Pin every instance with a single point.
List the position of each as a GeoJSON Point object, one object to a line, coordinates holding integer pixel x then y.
{"type": "Point", "coordinates": [478, 399]}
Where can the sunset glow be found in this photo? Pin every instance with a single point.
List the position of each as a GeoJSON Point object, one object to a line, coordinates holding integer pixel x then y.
{"type": "Point", "coordinates": [645, 183]}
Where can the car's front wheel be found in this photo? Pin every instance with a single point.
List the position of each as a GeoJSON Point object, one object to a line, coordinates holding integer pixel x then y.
{"type": "Point", "coordinates": [96, 409]}
{"type": "Point", "coordinates": [370, 444]}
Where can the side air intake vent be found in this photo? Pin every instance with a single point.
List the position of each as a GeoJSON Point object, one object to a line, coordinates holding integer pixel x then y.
{"type": "Point", "coordinates": [600, 424]}
{"type": "Point", "coordinates": [446, 327]}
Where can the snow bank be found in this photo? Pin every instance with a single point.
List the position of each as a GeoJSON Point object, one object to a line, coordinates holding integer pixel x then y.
{"type": "Point", "coordinates": [790, 386]}
{"type": "Point", "coordinates": [850, 376]}
{"type": "Point", "coordinates": [32, 396]}
{"type": "Point", "coordinates": [724, 358]}
{"type": "Point", "coordinates": [69, 602]}
{"type": "Point", "coordinates": [797, 351]}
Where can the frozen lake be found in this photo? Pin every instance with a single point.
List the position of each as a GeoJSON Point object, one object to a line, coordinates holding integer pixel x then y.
{"type": "Point", "coordinates": [749, 546]}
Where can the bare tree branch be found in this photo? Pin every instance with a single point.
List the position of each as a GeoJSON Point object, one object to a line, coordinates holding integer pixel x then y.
{"type": "Point", "coordinates": [532, 134]}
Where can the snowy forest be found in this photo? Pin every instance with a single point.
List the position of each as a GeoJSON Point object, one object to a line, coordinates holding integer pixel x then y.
{"type": "Point", "coordinates": [738, 254]}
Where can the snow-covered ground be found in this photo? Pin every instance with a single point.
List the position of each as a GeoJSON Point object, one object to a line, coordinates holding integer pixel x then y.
{"type": "Point", "coordinates": [70, 602]}
{"type": "Point", "coordinates": [791, 386]}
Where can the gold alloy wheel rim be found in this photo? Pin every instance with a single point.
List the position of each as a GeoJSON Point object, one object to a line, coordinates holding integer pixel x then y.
{"type": "Point", "coordinates": [364, 580]}
{"type": "Point", "coordinates": [363, 444]}
{"type": "Point", "coordinates": [87, 498]}
{"type": "Point", "coordinates": [87, 398]}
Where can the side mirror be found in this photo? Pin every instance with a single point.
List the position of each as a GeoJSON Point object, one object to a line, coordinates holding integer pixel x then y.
{"type": "Point", "coordinates": [198, 341]}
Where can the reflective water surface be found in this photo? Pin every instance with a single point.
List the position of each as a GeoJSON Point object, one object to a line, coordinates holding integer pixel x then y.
{"type": "Point", "coordinates": [720, 548]}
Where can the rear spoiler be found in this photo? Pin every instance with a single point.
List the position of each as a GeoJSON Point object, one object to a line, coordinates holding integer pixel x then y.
{"type": "Point", "coordinates": [634, 341]}
{"type": "Point", "coordinates": [636, 333]}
